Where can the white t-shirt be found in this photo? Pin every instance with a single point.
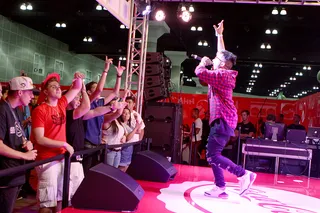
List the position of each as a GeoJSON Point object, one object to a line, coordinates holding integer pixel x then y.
{"type": "Point", "coordinates": [198, 124]}
{"type": "Point", "coordinates": [133, 119]}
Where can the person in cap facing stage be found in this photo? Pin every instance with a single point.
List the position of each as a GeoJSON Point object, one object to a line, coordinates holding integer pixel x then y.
{"type": "Point", "coordinates": [14, 147]}
{"type": "Point", "coordinates": [49, 135]}
{"type": "Point", "coordinates": [223, 116]}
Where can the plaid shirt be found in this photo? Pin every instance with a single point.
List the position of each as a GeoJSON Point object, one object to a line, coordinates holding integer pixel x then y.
{"type": "Point", "coordinates": [220, 88]}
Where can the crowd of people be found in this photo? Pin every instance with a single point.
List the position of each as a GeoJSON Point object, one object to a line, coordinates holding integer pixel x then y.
{"type": "Point", "coordinates": [40, 124]}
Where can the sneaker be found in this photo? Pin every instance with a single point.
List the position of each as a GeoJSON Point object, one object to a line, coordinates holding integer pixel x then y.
{"type": "Point", "coordinates": [246, 181]}
{"type": "Point", "coordinates": [217, 192]}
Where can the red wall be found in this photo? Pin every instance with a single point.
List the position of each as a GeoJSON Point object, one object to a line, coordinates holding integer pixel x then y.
{"type": "Point", "coordinates": [271, 106]}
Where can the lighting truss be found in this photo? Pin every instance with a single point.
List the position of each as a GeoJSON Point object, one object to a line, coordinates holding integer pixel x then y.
{"type": "Point", "coordinates": [136, 54]}
{"type": "Point", "coordinates": [271, 2]}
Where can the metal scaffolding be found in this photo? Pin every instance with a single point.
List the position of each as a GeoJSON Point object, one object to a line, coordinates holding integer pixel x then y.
{"type": "Point", "coordinates": [136, 55]}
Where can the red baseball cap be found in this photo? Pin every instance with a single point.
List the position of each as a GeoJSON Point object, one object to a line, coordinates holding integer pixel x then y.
{"type": "Point", "coordinates": [42, 96]}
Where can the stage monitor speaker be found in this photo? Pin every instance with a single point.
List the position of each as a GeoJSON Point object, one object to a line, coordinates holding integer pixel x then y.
{"type": "Point", "coordinates": [150, 166]}
{"type": "Point", "coordinates": [105, 187]}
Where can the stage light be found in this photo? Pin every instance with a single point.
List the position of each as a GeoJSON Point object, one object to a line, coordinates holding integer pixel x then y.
{"type": "Point", "coordinates": [268, 31]}
{"type": "Point", "coordinates": [199, 29]}
{"type": "Point", "coordinates": [160, 15]}
{"type": "Point", "coordinates": [85, 39]}
{"type": "Point", "coordinates": [23, 6]}
{"type": "Point", "coordinates": [29, 7]}
{"type": "Point", "coordinates": [263, 46]}
{"type": "Point", "coordinates": [183, 8]}
{"type": "Point", "coordinates": [193, 28]}
{"type": "Point", "coordinates": [260, 65]}
{"type": "Point", "coordinates": [122, 26]}
{"type": "Point", "coordinates": [309, 68]}
{"type": "Point", "coordinates": [275, 11]}
{"type": "Point", "coordinates": [205, 43]}
{"type": "Point", "coordinates": [98, 7]}
{"type": "Point", "coordinates": [63, 25]}
{"type": "Point", "coordinates": [147, 10]}
{"type": "Point", "coordinates": [58, 25]}
{"type": "Point", "coordinates": [186, 16]}
{"type": "Point", "coordinates": [200, 43]}
{"type": "Point", "coordinates": [274, 32]}
{"type": "Point", "coordinates": [268, 46]}
{"type": "Point", "coordinates": [283, 12]}
{"type": "Point", "coordinates": [191, 9]}
{"type": "Point", "coordinates": [256, 65]}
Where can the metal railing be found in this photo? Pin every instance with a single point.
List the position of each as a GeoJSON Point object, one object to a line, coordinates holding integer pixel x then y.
{"type": "Point", "coordinates": [67, 165]}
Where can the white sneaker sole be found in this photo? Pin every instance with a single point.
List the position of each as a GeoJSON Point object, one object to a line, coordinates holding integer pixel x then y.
{"type": "Point", "coordinates": [221, 196]}
{"type": "Point", "coordinates": [253, 177]}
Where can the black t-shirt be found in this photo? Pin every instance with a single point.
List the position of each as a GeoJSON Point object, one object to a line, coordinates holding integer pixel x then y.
{"type": "Point", "coordinates": [75, 131]}
{"type": "Point", "coordinates": [11, 135]}
{"type": "Point", "coordinates": [294, 126]}
{"type": "Point", "coordinates": [246, 128]}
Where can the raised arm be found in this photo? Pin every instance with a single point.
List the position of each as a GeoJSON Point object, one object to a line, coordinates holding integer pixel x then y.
{"type": "Point", "coordinates": [116, 89]}
{"type": "Point", "coordinates": [84, 106]}
{"type": "Point", "coordinates": [103, 110]}
{"type": "Point", "coordinates": [75, 87]}
{"type": "Point", "coordinates": [102, 80]}
{"type": "Point", "coordinates": [219, 34]}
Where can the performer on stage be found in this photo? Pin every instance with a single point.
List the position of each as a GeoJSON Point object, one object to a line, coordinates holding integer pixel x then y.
{"type": "Point", "coordinates": [223, 116]}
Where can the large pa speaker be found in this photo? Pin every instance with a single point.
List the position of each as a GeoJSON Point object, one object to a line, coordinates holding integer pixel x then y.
{"type": "Point", "coordinates": [150, 166]}
{"type": "Point", "coordinates": [105, 187]}
{"type": "Point", "coordinates": [164, 126]}
{"type": "Point", "coordinates": [155, 93]}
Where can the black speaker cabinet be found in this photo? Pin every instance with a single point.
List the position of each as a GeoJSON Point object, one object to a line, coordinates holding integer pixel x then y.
{"type": "Point", "coordinates": [107, 188]}
{"type": "Point", "coordinates": [150, 166]}
{"type": "Point", "coordinates": [164, 126]}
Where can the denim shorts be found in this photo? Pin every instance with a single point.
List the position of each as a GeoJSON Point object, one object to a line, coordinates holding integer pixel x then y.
{"type": "Point", "coordinates": [126, 156]}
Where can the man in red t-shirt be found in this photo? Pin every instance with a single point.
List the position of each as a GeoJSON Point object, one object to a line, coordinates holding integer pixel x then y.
{"type": "Point", "coordinates": [49, 135]}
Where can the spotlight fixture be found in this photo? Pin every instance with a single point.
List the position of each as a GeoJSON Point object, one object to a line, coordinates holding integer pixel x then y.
{"type": "Point", "coordinates": [263, 46]}
{"type": "Point", "coordinates": [260, 65]}
{"type": "Point", "coordinates": [199, 29]}
{"type": "Point", "coordinates": [183, 8]}
{"type": "Point", "coordinates": [200, 43]}
{"type": "Point", "coordinates": [268, 31]}
{"type": "Point", "coordinates": [256, 65]}
{"type": "Point", "coordinates": [268, 46]}
{"type": "Point", "coordinates": [308, 68]}
{"type": "Point", "coordinates": [63, 25]}
{"type": "Point", "coordinates": [274, 32]}
{"type": "Point", "coordinates": [185, 16]}
{"type": "Point", "coordinates": [283, 12]}
{"type": "Point", "coordinates": [191, 9]}
{"type": "Point", "coordinates": [58, 25]}
{"type": "Point", "coordinates": [122, 26]}
{"type": "Point", "coordinates": [315, 88]}
{"type": "Point", "coordinates": [87, 39]}
{"type": "Point", "coordinates": [275, 11]}
{"type": "Point", "coordinates": [304, 68]}
{"type": "Point", "coordinates": [25, 6]}
{"type": "Point", "coordinates": [193, 28]}
{"type": "Point", "coordinates": [160, 15]}
{"type": "Point", "coordinates": [205, 43]}
{"type": "Point", "coordinates": [98, 7]}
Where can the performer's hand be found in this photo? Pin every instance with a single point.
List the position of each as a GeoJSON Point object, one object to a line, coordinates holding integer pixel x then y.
{"type": "Point", "coordinates": [205, 61]}
{"type": "Point", "coordinates": [219, 29]}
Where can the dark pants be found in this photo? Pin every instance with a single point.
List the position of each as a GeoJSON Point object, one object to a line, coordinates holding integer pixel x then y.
{"type": "Point", "coordinates": [92, 159]}
{"type": "Point", "coordinates": [8, 197]}
{"type": "Point", "coordinates": [219, 135]}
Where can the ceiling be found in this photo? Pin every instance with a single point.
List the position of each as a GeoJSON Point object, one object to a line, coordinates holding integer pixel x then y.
{"type": "Point", "coordinates": [296, 45]}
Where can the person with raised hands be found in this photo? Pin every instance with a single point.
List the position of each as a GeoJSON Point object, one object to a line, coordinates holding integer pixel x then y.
{"type": "Point", "coordinates": [49, 135]}
{"type": "Point", "coordinates": [93, 126]}
{"type": "Point", "coordinates": [221, 81]}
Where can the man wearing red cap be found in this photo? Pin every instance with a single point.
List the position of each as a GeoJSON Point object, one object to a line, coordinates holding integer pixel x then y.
{"type": "Point", "coordinates": [49, 135]}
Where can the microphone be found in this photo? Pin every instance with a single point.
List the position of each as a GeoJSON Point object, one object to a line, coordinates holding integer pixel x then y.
{"type": "Point", "coordinates": [196, 57]}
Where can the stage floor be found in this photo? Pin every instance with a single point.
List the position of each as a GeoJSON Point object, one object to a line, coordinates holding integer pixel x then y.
{"type": "Point", "coordinates": [270, 193]}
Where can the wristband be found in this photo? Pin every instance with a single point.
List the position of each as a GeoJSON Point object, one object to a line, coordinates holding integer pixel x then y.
{"type": "Point", "coordinates": [119, 76]}
{"type": "Point", "coordinates": [105, 72]}
{"type": "Point", "coordinates": [219, 35]}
